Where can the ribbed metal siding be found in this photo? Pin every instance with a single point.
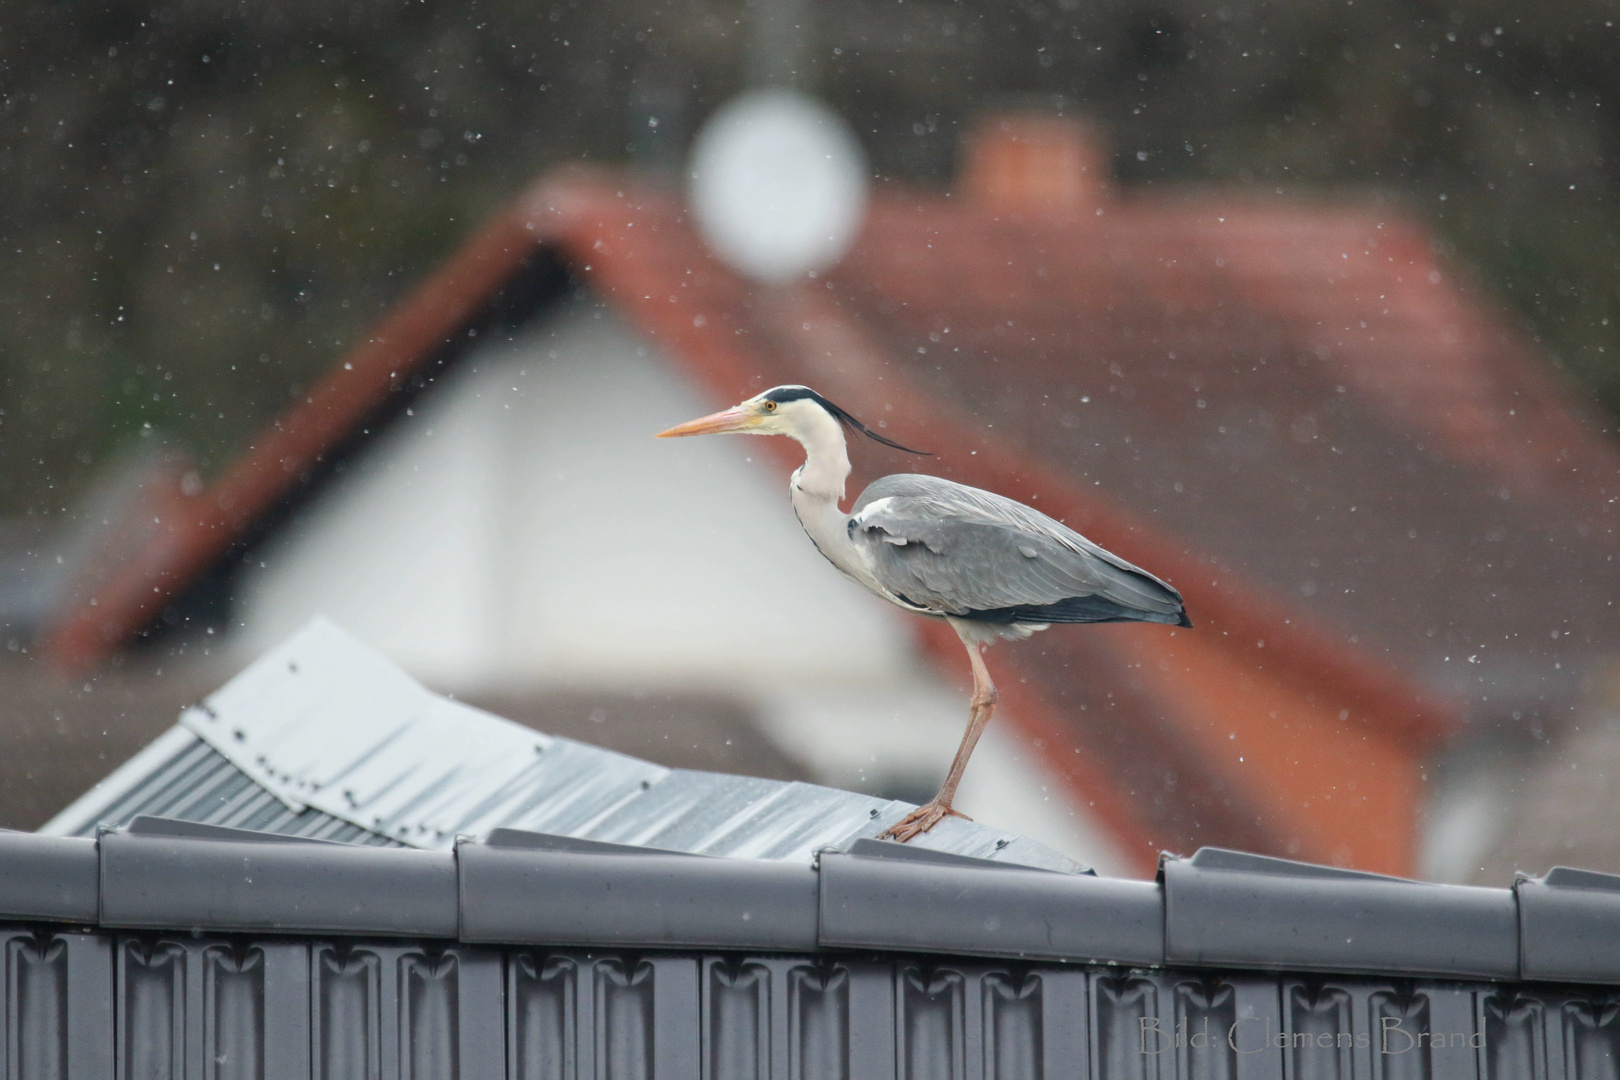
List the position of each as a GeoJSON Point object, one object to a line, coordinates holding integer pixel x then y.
{"type": "Point", "coordinates": [95, 1006]}
{"type": "Point", "coordinates": [57, 1005]}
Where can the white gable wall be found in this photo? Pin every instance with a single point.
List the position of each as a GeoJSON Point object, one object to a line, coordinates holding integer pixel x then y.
{"type": "Point", "coordinates": [523, 528]}
{"type": "Point", "coordinates": [395, 550]}
{"type": "Point", "coordinates": [680, 559]}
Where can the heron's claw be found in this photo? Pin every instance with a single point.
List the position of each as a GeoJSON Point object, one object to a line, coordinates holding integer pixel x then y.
{"type": "Point", "coordinates": [920, 820]}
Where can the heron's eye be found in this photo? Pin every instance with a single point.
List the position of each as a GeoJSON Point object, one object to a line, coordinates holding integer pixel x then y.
{"type": "Point", "coordinates": [770, 406]}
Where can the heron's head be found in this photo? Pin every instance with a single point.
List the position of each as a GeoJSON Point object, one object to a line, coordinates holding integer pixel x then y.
{"type": "Point", "coordinates": [795, 411]}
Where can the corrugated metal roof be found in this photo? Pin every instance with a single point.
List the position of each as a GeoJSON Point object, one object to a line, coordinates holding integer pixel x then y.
{"type": "Point", "coordinates": [323, 737]}
{"type": "Point", "coordinates": [181, 776]}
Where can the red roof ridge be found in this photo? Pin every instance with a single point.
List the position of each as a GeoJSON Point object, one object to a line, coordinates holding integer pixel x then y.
{"type": "Point", "coordinates": [1361, 287]}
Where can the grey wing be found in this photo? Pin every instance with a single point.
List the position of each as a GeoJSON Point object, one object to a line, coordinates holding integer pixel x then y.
{"type": "Point", "coordinates": [957, 550]}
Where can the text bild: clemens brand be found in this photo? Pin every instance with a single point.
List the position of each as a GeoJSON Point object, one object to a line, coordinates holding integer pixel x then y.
{"type": "Point", "coordinates": [1253, 1035]}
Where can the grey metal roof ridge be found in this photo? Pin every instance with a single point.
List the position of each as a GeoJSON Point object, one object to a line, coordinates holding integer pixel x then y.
{"type": "Point", "coordinates": [51, 878]}
{"type": "Point", "coordinates": [872, 848]}
{"type": "Point", "coordinates": [560, 893]}
{"type": "Point", "coordinates": [1569, 925]}
{"type": "Point", "coordinates": [1216, 909]}
{"type": "Point", "coordinates": [527, 840]}
{"type": "Point", "coordinates": [1214, 858]}
{"type": "Point", "coordinates": [181, 828]}
{"type": "Point", "coordinates": [1230, 908]}
{"type": "Point", "coordinates": [167, 875]}
{"type": "Point", "coordinates": [873, 898]}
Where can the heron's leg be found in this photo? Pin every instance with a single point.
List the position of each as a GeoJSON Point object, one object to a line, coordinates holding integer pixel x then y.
{"type": "Point", "coordinates": [983, 704]}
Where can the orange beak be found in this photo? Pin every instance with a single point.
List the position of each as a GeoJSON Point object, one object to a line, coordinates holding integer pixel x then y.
{"type": "Point", "coordinates": [729, 420]}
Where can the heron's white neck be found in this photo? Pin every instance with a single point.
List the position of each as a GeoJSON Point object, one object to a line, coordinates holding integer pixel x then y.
{"type": "Point", "coordinates": [818, 487]}
{"type": "Point", "coordinates": [826, 457]}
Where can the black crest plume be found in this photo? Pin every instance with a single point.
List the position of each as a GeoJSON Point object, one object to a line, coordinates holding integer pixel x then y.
{"type": "Point", "coordinates": [796, 393]}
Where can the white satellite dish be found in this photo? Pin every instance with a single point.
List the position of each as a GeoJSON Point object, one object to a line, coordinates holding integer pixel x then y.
{"type": "Point", "coordinates": [778, 185]}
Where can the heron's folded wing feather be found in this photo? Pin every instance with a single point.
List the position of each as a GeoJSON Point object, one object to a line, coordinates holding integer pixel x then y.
{"type": "Point", "coordinates": [956, 549]}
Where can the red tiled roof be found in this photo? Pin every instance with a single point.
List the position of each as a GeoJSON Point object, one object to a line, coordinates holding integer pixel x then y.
{"type": "Point", "coordinates": [1307, 391]}
{"type": "Point", "coordinates": [1359, 290]}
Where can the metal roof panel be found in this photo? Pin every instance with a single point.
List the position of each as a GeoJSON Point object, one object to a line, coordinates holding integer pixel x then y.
{"type": "Point", "coordinates": [180, 776]}
{"type": "Point", "coordinates": [1225, 907]}
{"type": "Point", "coordinates": [47, 877]}
{"type": "Point", "coordinates": [1569, 926]}
{"type": "Point", "coordinates": [874, 897]}
{"type": "Point", "coordinates": [178, 874]}
{"type": "Point", "coordinates": [325, 737]}
{"type": "Point", "coordinates": [513, 891]}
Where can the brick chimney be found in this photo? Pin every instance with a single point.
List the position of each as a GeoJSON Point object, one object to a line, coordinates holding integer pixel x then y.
{"type": "Point", "coordinates": [1034, 165]}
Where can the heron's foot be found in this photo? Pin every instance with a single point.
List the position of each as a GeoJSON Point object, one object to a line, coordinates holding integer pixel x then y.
{"type": "Point", "coordinates": [920, 820]}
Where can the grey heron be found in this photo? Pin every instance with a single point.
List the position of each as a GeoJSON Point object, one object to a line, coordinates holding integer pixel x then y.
{"type": "Point", "coordinates": [991, 567]}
